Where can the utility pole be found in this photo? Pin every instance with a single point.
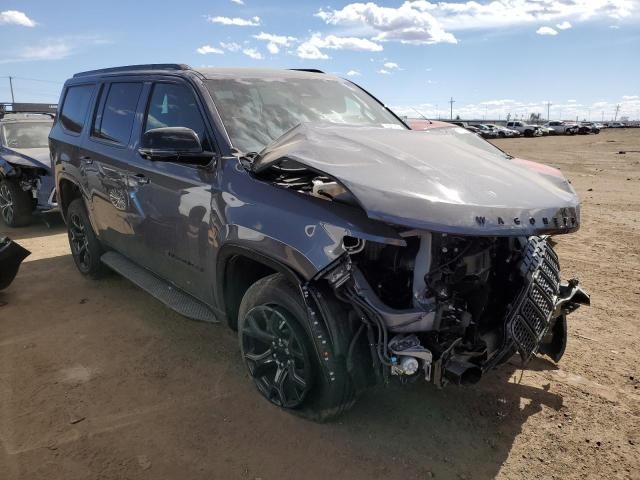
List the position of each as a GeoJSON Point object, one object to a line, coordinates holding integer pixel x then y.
{"type": "Point", "coordinates": [602, 116]}
{"type": "Point", "coordinates": [13, 100]}
{"type": "Point", "coordinates": [452, 101]}
{"type": "Point", "coordinates": [615, 117]}
{"type": "Point", "coordinates": [548, 107]}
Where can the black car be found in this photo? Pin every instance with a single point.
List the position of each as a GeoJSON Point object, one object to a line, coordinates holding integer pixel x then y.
{"type": "Point", "coordinates": [26, 177]}
{"type": "Point", "coordinates": [344, 248]}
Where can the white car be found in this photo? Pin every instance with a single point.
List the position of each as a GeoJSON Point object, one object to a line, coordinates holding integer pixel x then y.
{"type": "Point", "coordinates": [503, 131]}
{"type": "Point", "coordinates": [562, 128]}
{"type": "Point", "coordinates": [524, 128]}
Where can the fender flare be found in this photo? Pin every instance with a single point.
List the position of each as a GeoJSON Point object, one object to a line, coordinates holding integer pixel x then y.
{"type": "Point", "coordinates": [225, 257]}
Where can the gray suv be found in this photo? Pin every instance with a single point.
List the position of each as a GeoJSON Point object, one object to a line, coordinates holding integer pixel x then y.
{"type": "Point", "coordinates": [345, 249]}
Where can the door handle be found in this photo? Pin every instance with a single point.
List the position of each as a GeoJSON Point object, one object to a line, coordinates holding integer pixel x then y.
{"type": "Point", "coordinates": [140, 179]}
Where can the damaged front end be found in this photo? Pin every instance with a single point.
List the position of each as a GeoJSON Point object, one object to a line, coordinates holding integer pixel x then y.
{"type": "Point", "coordinates": [448, 308]}
{"type": "Point", "coordinates": [474, 278]}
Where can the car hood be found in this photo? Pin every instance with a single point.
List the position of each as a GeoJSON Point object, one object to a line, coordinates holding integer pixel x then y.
{"type": "Point", "coordinates": [422, 180]}
{"type": "Point", "coordinates": [27, 157]}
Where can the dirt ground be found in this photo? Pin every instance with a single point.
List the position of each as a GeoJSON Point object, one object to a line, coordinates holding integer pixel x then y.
{"type": "Point", "coordinates": [100, 381]}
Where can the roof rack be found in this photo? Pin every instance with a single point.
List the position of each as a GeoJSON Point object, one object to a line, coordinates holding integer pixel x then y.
{"type": "Point", "coordinates": [42, 108]}
{"type": "Point", "coordinates": [310, 70]}
{"type": "Point", "coordinates": [134, 68]}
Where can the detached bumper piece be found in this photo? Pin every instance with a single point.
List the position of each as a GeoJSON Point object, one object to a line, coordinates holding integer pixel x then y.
{"type": "Point", "coordinates": [11, 256]}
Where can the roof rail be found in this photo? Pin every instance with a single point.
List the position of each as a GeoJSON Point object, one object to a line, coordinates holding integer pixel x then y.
{"type": "Point", "coordinates": [134, 68]}
{"type": "Point", "coordinates": [42, 108]}
{"type": "Point", "coordinates": [310, 70]}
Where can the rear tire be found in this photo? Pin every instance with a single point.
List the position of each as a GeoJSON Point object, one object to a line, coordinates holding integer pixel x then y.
{"type": "Point", "coordinates": [85, 246]}
{"type": "Point", "coordinates": [277, 349]}
{"type": "Point", "coordinates": [16, 205]}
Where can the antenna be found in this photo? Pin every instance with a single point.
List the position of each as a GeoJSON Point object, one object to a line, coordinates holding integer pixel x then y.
{"type": "Point", "coordinates": [419, 113]}
{"type": "Point", "coordinates": [13, 100]}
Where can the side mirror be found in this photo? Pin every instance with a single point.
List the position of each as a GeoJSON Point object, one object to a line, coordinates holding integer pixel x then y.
{"type": "Point", "coordinates": [170, 143]}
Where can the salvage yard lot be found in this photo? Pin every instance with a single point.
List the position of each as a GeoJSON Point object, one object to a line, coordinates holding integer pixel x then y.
{"type": "Point", "coordinates": [99, 380]}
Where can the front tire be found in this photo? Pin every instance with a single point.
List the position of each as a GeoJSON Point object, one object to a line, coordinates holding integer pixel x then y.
{"type": "Point", "coordinates": [85, 246]}
{"type": "Point", "coordinates": [277, 349]}
{"type": "Point", "coordinates": [16, 205]}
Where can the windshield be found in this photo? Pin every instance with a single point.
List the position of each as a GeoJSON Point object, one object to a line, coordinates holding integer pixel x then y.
{"type": "Point", "coordinates": [256, 111]}
{"type": "Point", "coordinates": [27, 135]}
{"type": "Point", "coordinates": [468, 138]}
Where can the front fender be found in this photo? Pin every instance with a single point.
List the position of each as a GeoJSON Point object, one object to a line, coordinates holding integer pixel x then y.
{"type": "Point", "coordinates": [300, 231]}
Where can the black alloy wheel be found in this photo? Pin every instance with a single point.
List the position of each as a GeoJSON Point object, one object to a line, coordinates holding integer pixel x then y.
{"type": "Point", "coordinates": [79, 242]}
{"type": "Point", "coordinates": [273, 346]}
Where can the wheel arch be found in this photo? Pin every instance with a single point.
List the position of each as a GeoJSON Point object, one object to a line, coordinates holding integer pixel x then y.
{"type": "Point", "coordinates": [237, 269]}
{"type": "Point", "coordinates": [67, 191]}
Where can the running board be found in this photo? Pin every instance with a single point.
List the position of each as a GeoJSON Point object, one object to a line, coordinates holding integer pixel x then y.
{"type": "Point", "coordinates": [168, 294]}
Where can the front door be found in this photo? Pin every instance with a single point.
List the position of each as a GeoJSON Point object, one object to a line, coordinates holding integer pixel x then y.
{"type": "Point", "coordinates": [174, 197]}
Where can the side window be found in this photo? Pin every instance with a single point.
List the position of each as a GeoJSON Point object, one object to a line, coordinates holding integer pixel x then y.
{"type": "Point", "coordinates": [115, 121]}
{"type": "Point", "coordinates": [74, 109]}
{"type": "Point", "coordinates": [174, 105]}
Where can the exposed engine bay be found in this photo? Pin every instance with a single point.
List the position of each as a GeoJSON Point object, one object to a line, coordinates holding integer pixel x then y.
{"type": "Point", "coordinates": [449, 308]}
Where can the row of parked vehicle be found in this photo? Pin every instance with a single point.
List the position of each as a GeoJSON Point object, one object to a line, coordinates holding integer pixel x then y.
{"type": "Point", "coordinates": [520, 128]}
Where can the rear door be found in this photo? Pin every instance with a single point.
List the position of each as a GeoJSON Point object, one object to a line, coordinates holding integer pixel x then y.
{"type": "Point", "coordinates": [106, 155]}
{"type": "Point", "coordinates": [173, 196]}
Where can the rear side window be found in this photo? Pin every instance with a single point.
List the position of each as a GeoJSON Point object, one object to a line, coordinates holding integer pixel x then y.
{"type": "Point", "coordinates": [115, 121]}
{"type": "Point", "coordinates": [76, 104]}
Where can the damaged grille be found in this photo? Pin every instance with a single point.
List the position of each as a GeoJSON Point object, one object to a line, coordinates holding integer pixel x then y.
{"type": "Point", "coordinates": [529, 320]}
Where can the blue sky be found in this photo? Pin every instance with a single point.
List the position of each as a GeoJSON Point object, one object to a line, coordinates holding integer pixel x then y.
{"type": "Point", "coordinates": [494, 58]}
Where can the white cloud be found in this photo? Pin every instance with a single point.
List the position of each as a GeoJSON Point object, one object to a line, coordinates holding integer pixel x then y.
{"type": "Point", "coordinates": [252, 53]}
{"type": "Point", "coordinates": [47, 51]}
{"type": "Point", "coordinates": [14, 17]}
{"type": "Point", "coordinates": [630, 97]}
{"type": "Point", "coordinates": [274, 42]}
{"type": "Point", "coordinates": [312, 48]}
{"type": "Point", "coordinates": [206, 49]}
{"type": "Point", "coordinates": [231, 46]}
{"type": "Point", "coordinates": [546, 31]}
{"type": "Point", "coordinates": [353, 73]}
{"type": "Point", "coordinates": [238, 2]}
{"type": "Point", "coordinates": [409, 23]}
{"type": "Point", "coordinates": [614, 27]}
{"type": "Point", "coordinates": [391, 66]}
{"type": "Point", "coordinates": [571, 101]}
{"type": "Point", "coordinates": [236, 21]}
{"type": "Point", "coordinates": [53, 48]}
{"type": "Point", "coordinates": [564, 25]}
{"type": "Point", "coordinates": [426, 22]}
{"type": "Point", "coordinates": [384, 72]}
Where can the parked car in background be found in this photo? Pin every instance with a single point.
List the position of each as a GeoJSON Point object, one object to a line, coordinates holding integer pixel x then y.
{"type": "Point", "coordinates": [546, 130]}
{"type": "Point", "coordinates": [345, 249]}
{"type": "Point", "coordinates": [485, 132]}
{"type": "Point", "coordinates": [616, 125]}
{"type": "Point", "coordinates": [562, 128]}
{"type": "Point", "coordinates": [588, 127]}
{"type": "Point", "coordinates": [26, 177]}
{"type": "Point", "coordinates": [502, 131]}
{"type": "Point", "coordinates": [524, 128]}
